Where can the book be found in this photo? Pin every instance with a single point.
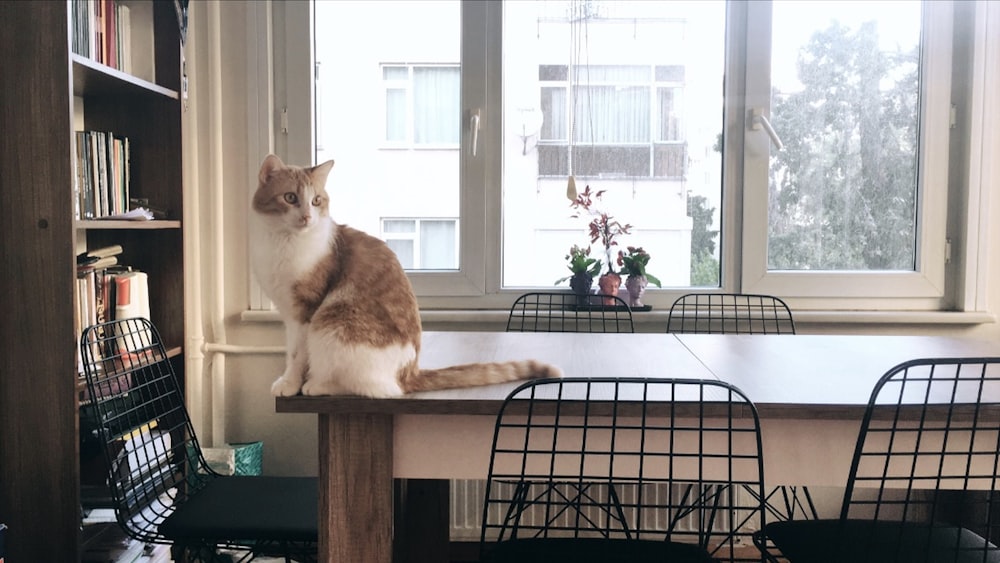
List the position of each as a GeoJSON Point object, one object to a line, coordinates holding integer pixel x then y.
{"type": "Point", "coordinates": [90, 265]}
{"type": "Point", "coordinates": [105, 251]}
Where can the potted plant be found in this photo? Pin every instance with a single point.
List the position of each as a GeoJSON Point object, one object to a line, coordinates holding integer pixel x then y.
{"type": "Point", "coordinates": [584, 269]}
{"type": "Point", "coordinates": [605, 228]}
{"type": "Point", "coordinates": [633, 264]}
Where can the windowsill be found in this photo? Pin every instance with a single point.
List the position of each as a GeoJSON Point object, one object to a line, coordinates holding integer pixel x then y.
{"type": "Point", "coordinates": [659, 317]}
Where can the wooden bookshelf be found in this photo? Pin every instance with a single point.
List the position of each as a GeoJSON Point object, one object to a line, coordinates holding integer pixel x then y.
{"type": "Point", "coordinates": [48, 92]}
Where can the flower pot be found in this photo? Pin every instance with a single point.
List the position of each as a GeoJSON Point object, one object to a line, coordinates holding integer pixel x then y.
{"type": "Point", "coordinates": [636, 285]}
{"type": "Point", "coordinates": [581, 283]}
{"type": "Point", "coordinates": [609, 284]}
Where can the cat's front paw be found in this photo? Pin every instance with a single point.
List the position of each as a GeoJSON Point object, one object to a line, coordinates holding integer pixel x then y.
{"type": "Point", "coordinates": [285, 387]}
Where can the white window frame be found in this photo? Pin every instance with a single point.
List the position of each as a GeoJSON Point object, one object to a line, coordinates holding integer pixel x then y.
{"type": "Point", "coordinates": [950, 208]}
{"type": "Point", "coordinates": [927, 282]}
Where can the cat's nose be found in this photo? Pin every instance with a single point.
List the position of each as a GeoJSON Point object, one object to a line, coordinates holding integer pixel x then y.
{"type": "Point", "coordinates": [305, 220]}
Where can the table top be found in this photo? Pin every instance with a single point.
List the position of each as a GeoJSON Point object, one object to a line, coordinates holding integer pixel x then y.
{"type": "Point", "coordinates": [828, 376]}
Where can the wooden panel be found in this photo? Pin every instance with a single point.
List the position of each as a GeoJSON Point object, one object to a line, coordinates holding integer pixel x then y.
{"type": "Point", "coordinates": [39, 490]}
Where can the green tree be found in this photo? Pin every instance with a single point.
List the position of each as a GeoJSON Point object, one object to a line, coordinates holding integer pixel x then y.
{"type": "Point", "coordinates": [704, 265]}
{"type": "Point", "coordinates": [843, 190]}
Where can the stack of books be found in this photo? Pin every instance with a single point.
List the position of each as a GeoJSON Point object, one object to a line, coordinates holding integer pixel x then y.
{"type": "Point", "coordinates": [107, 290]}
{"type": "Point", "coordinates": [102, 31]}
{"type": "Point", "coordinates": [103, 178]}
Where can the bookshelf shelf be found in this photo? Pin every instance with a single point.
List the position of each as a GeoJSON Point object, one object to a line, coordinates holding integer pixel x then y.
{"type": "Point", "coordinates": [104, 225]}
{"type": "Point", "coordinates": [92, 78]}
{"type": "Point", "coordinates": [57, 93]}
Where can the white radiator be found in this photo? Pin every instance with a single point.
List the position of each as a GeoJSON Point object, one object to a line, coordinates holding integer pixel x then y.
{"type": "Point", "coordinates": [467, 511]}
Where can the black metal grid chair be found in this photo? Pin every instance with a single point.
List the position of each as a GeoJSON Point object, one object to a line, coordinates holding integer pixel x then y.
{"type": "Point", "coordinates": [163, 490]}
{"type": "Point", "coordinates": [588, 470]}
{"type": "Point", "coordinates": [743, 313]}
{"type": "Point", "coordinates": [568, 312]}
{"type": "Point", "coordinates": [730, 313]}
{"type": "Point", "coordinates": [924, 485]}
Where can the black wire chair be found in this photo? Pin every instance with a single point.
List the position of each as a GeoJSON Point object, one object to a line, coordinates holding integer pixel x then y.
{"type": "Point", "coordinates": [730, 313]}
{"type": "Point", "coordinates": [569, 312]}
{"type": "Point", "coordinates": [597, 470]}
{"type": "Point", "coordinates": [742, 313]}
{"type": "Point", "coordinates": [924, 485]}
{"type": "Point", "coordinates": [162, 488]}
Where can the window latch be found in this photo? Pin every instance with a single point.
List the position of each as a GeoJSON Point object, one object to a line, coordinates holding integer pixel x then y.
{"type": "Point", "coordinates": [474, 127]}
{"type": "Point", "coordinates": [758, 120]}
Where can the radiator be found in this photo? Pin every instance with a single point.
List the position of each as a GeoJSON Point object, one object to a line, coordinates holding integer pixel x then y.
{"type": "Point", "coordinates": [467, 511]}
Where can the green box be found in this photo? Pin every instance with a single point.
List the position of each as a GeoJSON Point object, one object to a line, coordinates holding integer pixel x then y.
{"type": "Point", "coordinates": [244, 458]}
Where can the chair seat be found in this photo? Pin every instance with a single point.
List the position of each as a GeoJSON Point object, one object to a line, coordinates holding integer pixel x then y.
{"type": "Point", "coordinates": [249, 508]}
{"type": "Point", "coordinates": [595, 550]}
{"type": "Point", "coordinates": [836, 541]}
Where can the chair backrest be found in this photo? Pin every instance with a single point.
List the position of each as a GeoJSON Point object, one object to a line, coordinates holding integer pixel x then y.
{"type": "Point", "coordinates": [569, 312]}
{"type": "Point", "coordinates": [633, 458]}
{"type": "Point", "coordinates": [730, 313]}
{"type": "Point", "coordinates": [928, 452]}
{"type": "Point", "coordinates": [136, 410]}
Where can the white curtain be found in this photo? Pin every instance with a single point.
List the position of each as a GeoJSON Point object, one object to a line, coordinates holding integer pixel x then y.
{"type": "Point", "coordinates": [436, 94]}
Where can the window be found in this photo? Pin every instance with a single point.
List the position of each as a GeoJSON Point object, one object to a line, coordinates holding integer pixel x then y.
{"type": "Point", "coordinates": [421, 105]}
{"type": "Point", "coordinates": [855, 198]}
{"type": "Point", "coordinates": [666, 106]}
{"type": "Point", "coordinates": [423, 244]}
{"type": "Point", "coordinates": [624, 121]}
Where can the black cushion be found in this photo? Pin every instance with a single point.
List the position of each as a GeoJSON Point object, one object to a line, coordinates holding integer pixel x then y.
{"type": "Point", "coordinates": [594, 550]}
{"type": "Point", "coordinates": [861, 541]}
{"type": "Point", "coordinates": [249, 508]}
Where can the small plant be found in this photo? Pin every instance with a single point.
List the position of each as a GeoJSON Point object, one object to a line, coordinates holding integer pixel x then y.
{"type": "Point", "coordinates": [580, 263]}
{"type": "Point", "coordinates": [633, 263]}
{"type": "Point", "coordinates": [603, 227]}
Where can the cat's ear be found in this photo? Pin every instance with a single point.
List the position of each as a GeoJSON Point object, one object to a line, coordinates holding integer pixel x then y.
{"type": "Point", "coordinates": [270, 164]}
{"type": "Point", "coordinates": [320, 172]}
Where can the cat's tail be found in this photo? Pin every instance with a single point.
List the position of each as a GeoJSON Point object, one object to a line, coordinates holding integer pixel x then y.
{"type": "Point", "coordinates": [474, 375]}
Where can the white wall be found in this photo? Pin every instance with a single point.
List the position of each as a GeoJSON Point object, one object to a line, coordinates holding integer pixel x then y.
{"type": "Point", "coordinates": [290, 440]}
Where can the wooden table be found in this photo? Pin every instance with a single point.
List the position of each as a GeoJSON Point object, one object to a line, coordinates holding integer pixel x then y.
{"type": "Point", "coordinates": [810, 392]}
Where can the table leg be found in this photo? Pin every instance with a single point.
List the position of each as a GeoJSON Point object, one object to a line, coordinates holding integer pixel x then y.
{"type": "Point", "coordinates": [355, 488]}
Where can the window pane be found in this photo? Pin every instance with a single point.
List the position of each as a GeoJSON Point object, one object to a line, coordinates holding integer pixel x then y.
{"type": "Point", "coordinates": [438, 249]}
{"type": "Point", "coordinates": [404, 251]}
{"type": "Point", "coordinates": [843, 191]}
{"type": "Point", "coordinates": [399, 226]}
{"type": "Point", "coordinates": [436, 96]}
{"type": "Point", "coordinates": [410, 167]}
{"type": "Point", "coordinates": [395, 115]}
{"type": "Point", "coordinates": [631, 98]}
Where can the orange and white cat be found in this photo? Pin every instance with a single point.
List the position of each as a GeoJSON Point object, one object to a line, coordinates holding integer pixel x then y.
{"type": "Point", "coordinates": [351, 318]}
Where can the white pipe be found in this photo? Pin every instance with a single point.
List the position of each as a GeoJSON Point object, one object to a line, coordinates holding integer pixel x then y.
{"type": "Point", "coordinates": [243, 349]}
{"type": "Point", "coordinates": [218, 310]}
{"type": "Point", "coordinates": [194, 359]}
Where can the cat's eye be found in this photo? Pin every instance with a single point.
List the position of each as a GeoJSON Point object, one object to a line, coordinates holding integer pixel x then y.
{"type": "Point", "coordinates": [317, 200]}
{"type": "Point", "coordinates": [291, 198]}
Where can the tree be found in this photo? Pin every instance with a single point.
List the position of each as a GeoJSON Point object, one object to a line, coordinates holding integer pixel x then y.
{"type": "Point", "coordinates": [704, 264]}
{"type": "Point", "coordinates": [843, 190]}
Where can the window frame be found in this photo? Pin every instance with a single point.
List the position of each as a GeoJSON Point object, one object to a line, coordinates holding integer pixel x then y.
{"type": "Point", "coordinates": [924, 287]}
{"type": "Point", "coordinates": [941, 284]}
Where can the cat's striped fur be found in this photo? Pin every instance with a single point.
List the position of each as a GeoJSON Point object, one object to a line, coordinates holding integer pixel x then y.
{"type": "Point", "coordinates": [351, 317]}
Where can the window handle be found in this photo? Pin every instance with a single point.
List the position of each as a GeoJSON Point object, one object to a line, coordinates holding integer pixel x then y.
{"type": "Point", "coordinates": [759, 120]}
{"type": "Point", "coordinates": [474, 126]}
